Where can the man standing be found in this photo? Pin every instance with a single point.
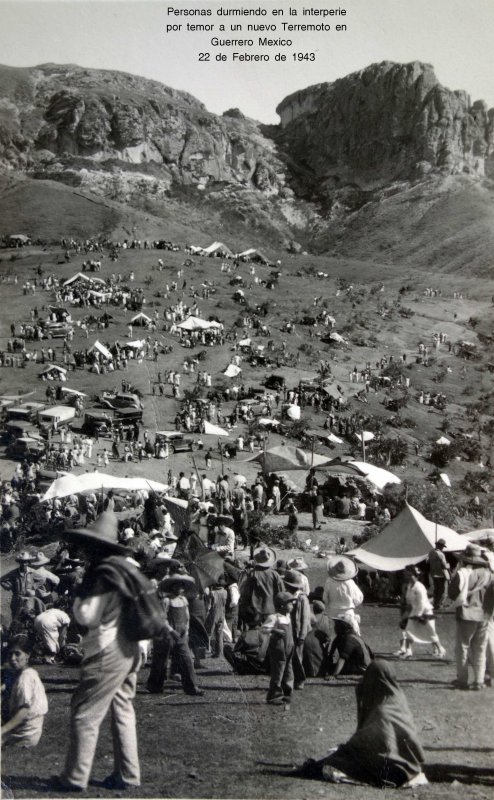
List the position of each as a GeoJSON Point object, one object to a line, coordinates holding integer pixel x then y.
{"type": "Point", "coordinates": [472, 590]}
{"type": "Point", "coordinates": [108, 670]}
{"type": "Point", "coordinates": [439, 573]}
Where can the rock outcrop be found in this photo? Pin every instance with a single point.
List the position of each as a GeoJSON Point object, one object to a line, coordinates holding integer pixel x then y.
{"type": "Point", "coordinates": [54, 117]}
{"type": "Point", "coordinates": [385, 123]}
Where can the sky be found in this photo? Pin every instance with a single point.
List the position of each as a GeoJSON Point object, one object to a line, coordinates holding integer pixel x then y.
{"type": "Point", "coordinates": [455, 36]}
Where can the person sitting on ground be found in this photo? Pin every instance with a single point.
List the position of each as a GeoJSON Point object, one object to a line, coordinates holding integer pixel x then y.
{"type": "Point", "coordinates": [248, 655]}
{"type": "Point", "coordinates": [354, 656]}
{"type": "Point", "coordinates": [317, 641]}
{"type": "Point", "coordinates": [385, 750]}
{"type": "Point", "coordinates": [27, 703]}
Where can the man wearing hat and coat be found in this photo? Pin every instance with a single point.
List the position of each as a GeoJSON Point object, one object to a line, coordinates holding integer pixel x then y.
{"type": "Point", "coordinates": [472, 592]}
{"type": "Point", "coordinates": [259, 589]}
{"type": "Point", "coordinates": [439, 573]}
{"type": "Point", "coordinates": [109, 666]}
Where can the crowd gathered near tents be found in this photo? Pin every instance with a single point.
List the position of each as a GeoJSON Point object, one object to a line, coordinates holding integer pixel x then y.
{"type": "Point", "coordinates": [208, 541]}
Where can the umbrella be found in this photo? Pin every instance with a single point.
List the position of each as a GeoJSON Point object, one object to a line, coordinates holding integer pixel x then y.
{"type": "Point", "coordinates": [214, 430]}
{"type": "Point", "coordinates": [207, 569]}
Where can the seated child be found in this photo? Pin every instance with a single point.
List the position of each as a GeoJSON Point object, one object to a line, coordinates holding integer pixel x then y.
{"type": "Point", "coordinates": [248, 655]}
{"type": "Point", "coordinates": [27, 703]}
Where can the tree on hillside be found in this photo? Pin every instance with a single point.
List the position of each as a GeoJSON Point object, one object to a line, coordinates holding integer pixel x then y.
{"type": "Point", "coordinates": [435, 502]}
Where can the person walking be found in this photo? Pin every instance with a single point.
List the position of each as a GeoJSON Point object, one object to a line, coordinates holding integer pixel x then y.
{"type": "Point", "coordinates": [418, 622]}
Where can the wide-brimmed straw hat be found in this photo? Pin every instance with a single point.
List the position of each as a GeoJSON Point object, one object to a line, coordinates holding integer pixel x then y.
{"type": "Point", "coordinates": [341, 568]}
{"type": "Point", "coordinates": [264, 557]}
{"type": "Point", "coordinates": [40, 560]}
{"type": "Point", "coordinates": [472, 554]}
{"type": "Point", "coordinates": [349, 619]}
{"type": "Point", "coordinates": [297, 563]}
{"type": "Point", "coordinates": [186, 581]}
{"type": "Point", "coordinates": [25, 557]}
{"type": "Point", "coordinates": [294, 579]}
{"type": "Point", "coordinates": [102, 532]}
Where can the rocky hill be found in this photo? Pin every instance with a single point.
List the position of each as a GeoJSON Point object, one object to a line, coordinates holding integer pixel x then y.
{"type": "Point", "coordinates": [340, 151]}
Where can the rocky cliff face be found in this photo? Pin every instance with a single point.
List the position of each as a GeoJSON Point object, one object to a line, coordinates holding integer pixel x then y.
{"type": "Point", "coordinates": [388, 122]}
{"type": "Point", "coordinates": [343, 151]}
{"type": "Point", "coordinates": [58, 117]}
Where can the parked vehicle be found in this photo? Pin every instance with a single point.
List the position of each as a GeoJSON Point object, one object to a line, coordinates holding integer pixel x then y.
{"type": "Point", "coordinates": [120, 400]}
{"type": "Point", "coordinates": [177, 441]}
{"type": "Point", "coordinates": [56, 417]}
{"type": "Point", "coordinates": [25, 448]}
{"type": "Point", "coordinates": [56, 330]}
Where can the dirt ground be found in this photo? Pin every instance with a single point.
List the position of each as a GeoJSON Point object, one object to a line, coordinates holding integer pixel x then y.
{"type": "Point", "coordinates": [229, 744]}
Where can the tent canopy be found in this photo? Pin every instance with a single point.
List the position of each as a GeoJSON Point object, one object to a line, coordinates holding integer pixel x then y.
{"type": "Point", "coordinates": [376, 475]}
{"type": "Point", "coordinates": [96, 481]}
{"type": "Point", "coordinates": [252, 254]}
{"type": "Point", "coordinates": [406, 540]}
{"type": "Point", "coordinates": [101, 349]}
{"type": "Point", "coordinates": [286, 457]}
{"type": "Point", "coordinates": [213, 248]}
{"type": "Point", "coordinates": [214, 430]}
{"type": "Point", "coordinates": [232, 371]}
{"type": "Point", "coordinates": [53, 367]}
{"type": "Point", "coordinates": [141, 317]}
{"type": "Point", "coordinates": [198, 324]}
{"type": "Point", "coordinates": [73, 391]}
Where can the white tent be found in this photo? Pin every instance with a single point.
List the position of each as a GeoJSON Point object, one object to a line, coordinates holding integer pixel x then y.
{"type": "Point", "coordinates": [252, 254]}
{"type": "Point", "coordinates": [101, 349]}
{"type": "Point", "coordinates": [232, 371]}
{"type": "Point", "coordinates": [268, 422]}
{"type": "Point", "coordinates": [81, 276]}
{"type": "Point", "coordinates": [406, 540]}
{"type": "Point", "coordinates": [443, 440]}
{"type": "Point", "coordinates": [336, 337]}
{"type": "Point", "coordinates": [245, 343]}
{"type": "Point", "coordinates": [479, 534]}
{"type": "Point", "coordinates": [140, 319]}
{"type": "Point", "coordinates": [195, 250]}
{"type": "Point", "coordinates": [215, 247]}
{"type": "Point", "coordinates": [376, 475]}
{"type": "Point", "coordinates": [214, 430]}
{"type": "Point", "coordinates": [96, 481]}
{"type": "Point", "coordinates": [54, 368]}
{"type": "Point", "coordinates": [136, 345]}
{"type": "Point", "coordinates": [445, 479]}
{"type": "Point", "coordinates": [198, 324]}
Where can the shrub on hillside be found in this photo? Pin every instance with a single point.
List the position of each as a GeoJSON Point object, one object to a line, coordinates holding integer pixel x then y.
{"type": "Point", "coordinates": [441, 454]}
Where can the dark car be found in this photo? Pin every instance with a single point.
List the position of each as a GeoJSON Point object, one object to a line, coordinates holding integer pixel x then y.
{"type": "Point", "coordinates": [120, 400]}
{"type": "Point", "coordinates": [56, 330]}
{"type": "Point", "coordinates": [25, 448]}
{"type": "Point", "coordinates": [176, 441]}
{"type": "Point", "coordinates": [97, 423]}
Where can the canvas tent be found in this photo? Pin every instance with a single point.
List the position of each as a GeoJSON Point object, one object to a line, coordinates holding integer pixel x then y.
{"type": "Point", "coordinates": [362, 469]}
{"type": "Point", "coordinates": [96, 481]}
{"type": "Point", "coordinates": [406, 540]}
{"type": "Point", "coordinates": [232, 371]}
{"type": "Point", "coordinates": [478, 535]}
{"type": "Point", "coordinates": [217, 248]}
{"type": "Point", "coordinates": [140, 319]}
{"type": "Point", "coordinates": [80, 276]}
{"type": "Point", "coordinates": [286, 457]}
{"type": "Point", "coordinates": [214, 430]}
{"type": "Point", "coordinates": [252, 254]}
{"type": "Point", "coordinates": [101, 349]}
{"type": "Point", "coordinates": [198, 324]}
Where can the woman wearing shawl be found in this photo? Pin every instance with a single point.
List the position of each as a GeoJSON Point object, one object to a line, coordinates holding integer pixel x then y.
{"type": "Point", "coordinates": [384, 750]}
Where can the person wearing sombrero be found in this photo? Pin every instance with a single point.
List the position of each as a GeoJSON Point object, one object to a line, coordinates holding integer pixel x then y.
{"type": "Point", "coordinates": [472, 592]}
{"type": "Point", "coordinates": [110, 661]}
{"type": "Point", "coordinates": [173, 641]}
{"type": "Point", "coordinates": [261, 585]}
{"type": "Point", "coordinates": [301, 622]}
{"type": "Point", "coordinates": [300, 566]}
{"type": "Point", "coordinates": [341, 593]}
